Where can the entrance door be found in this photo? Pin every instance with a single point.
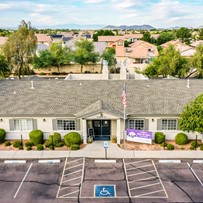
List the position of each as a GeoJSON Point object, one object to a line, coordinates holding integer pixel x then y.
{"type": "Point", "coordinates": [102, 129]}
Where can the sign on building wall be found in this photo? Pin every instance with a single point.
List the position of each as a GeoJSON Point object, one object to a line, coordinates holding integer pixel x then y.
{"type": "Point", "coordinates": [139, 136]}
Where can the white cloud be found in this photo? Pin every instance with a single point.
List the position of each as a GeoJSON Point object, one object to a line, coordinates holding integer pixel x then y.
{"type": "Point", "coordinates": [93, 1]}
{"type": "Point", "coordinates": [5, 6]}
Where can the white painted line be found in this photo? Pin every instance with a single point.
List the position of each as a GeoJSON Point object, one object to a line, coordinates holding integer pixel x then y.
{"type": "Point", "coordinates": [61, 178]}
{"type": "Point", "coordinates": [22, 181]}
{"type": "Point", "coordinates": [72, 173]}
{"type": "Point", "coordinates": [104, 161]}
{"type": "Point", "coordinates": [70, 185]}
{"type": "Point", "coordinates": [73, 166]}
{"type": "Point", "coordinates": [75, 160]}
{"type": "Point", "coordinates": [49, 161]}
{"type": "Point", "coordinates": [15, 161]}
{"type": "Point", "coordinates": [140, 173]}
{"type": "Point", "coordinates": [72, 179]}
{"type": "Point", "coordinates": [69, 194]}
{"type": "Point", "coordinates": [135, 188]}
{"type": "Point", "coordinates": [138, 161]}
{"type": "Point", "coordinates": [160, 179]}
{"type": "Point", "coordinates": [139, 167]}
{"type": "Point", "coordinates": [142, 179]}
{"type": "Point", "coordinates": [198, 161]}
{"type": "Point", "coordinates": [148, 193]}
{"type": "Point", "coordinates": [126, 178]}
{"type": "Point", "coordinates": [195, 174]}
{"type": "Point", "coordinates": [169, 161]}
{"type": "Point", "coordinates": [82, 177]}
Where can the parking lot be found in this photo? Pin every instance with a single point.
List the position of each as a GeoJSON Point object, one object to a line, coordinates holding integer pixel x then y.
{"type": "Point", "coordinates": [75, 180]}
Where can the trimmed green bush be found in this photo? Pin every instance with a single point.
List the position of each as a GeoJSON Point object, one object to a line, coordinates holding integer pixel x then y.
{"type": "Point", "coordinates": [201, 147]}
{"type": "Point", "coordinates": [159, 137]}
{"type": "Point", "coordinates": [163, 144]}
{"type": "Point", "coordinates": [2, 135]}
{"type": "Point", "coordinates": [20, 147]}
{"type": "Point", "coordinates": [7, 143]}
{"type": "Point", "coordinates": [28, 148]}
{"type": "Point", "coordinates": [192, 147]}
{"type": "Point", "coordinates": [28, 144]}
{"type": "Point", "coordinates": [17, 144]}
{"type": "Point", "coordinates": [48, 143]}
{"type": "Point", "coordinates": [72, 138]}
{"type": "Point", "coordinates": [181, 139]}
{"type": "Point", "coordinates": [40, 147]}
{"type": "Point", "coordinates": [75, 147]}
{"type": "Point", "coordinates": [56, 139]}
{"type": "Point", "coordinates": [194, 144]}
{"type": "Point", "coordinates": [170, 147]}
{"type": "Point", "coordinates": [60, 144]}
{"type": "Point", "coordinates": [36, 137]}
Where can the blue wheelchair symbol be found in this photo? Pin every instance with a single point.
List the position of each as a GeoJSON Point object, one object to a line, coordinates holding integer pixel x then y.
{"type": "Point", "coordinates": [104, 191]}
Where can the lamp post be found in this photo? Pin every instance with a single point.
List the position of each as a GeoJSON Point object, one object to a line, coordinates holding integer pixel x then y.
{"type": "Point", "coordinates": [21, 137]}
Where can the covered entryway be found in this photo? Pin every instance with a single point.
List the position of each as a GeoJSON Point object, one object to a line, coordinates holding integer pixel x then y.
{"type": "Point", "coordinates": [102, 129]}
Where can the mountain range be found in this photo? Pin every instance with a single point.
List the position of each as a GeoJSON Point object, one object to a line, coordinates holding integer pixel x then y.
{"type": "Point", "coordinates": [129, 27]}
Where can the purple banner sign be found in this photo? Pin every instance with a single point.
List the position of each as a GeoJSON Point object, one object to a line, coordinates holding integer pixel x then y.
{"type": "Point", "coordinates": [139, 136]}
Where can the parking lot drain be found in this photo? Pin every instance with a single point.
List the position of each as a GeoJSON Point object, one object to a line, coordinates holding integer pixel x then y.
{"type": "Point", "coordinates": [49, 161]}
{"type": "Point", "coordinates": [104, 161]}
{"type": "Point", "coordinates": [198, 161]}
{"type": "Point", "coordinates": [169, 161]}
{"type": "Point", "coordinates": [15, 161]}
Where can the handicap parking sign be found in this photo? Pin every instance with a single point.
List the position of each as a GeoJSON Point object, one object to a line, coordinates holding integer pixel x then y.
{"type": "Point", "coordinates": [104, 191]}
{"type": "Point", "coordinates": [106, 144]}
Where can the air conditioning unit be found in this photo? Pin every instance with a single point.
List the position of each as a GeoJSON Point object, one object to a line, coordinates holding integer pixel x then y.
{"type": "Point", "coordinates": [150, 49]}
{"type": "Point", "coordinates": [128, 50]}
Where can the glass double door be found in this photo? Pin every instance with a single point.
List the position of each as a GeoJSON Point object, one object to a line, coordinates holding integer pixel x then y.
{"type": "Point", "coordinates": [102, 129]}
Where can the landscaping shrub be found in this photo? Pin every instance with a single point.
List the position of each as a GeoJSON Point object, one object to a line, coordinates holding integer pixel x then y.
{"type": "Point", "coordinates": [159, 137]}
{"type": "Point", "coordinates": [60, 144]}
{"type": "Point", "coordinates": [181, 139]}
{"type": "Point", "coordinates": [48, 143]}
{"type": "Point", "coordinates": [20, 147]}
{"type": "Point", "coordinates": [201, 147]}
{"type": "Point", "coordinates": [192, 147]}
{"type": "Point", "coordinates": [170, 147]}
{"type": "Point", "coordinates": [163, 143]}
{"type": "Point", "coordinates": [17, 144]}
{"type": "Point", "coordinates": [36, 137]}
{"type": "Point", "coordinates": [56, 139]}
{"type": "Point", "coordinates": [40, 147]}
{"type": "Point", "coordinates": [28, 144]}
{"type": "Point", "coordinates": [194, 144]}
{"type": "Point", "coordinates": [7, 143]}
{"type": "Point", "coordinates": [28, 148]}
{"type": "Point", "coordinates": [75, 147]}
{"type": "Point", "coordinates": [72, 138]}
{"type": "Point", "coordinates": [2, 135]}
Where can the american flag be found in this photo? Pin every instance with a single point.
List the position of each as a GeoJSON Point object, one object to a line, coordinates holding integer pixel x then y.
{"type": "Point", "coordinates": [124, 96]}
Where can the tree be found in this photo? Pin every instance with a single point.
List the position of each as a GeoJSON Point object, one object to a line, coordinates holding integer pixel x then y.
{"type": "Point", "coordinates": [102, 33]}
{"type": "Point", "coordinates": [146, 37]}
{"type": "Point", "coordinates": [197, 60]}
{"type": "Point", "coordinates": [165, 37]}
{"type": "Point", "coordinates": [169, 62]}
{"type": "Point", "coordinates": [184, 35]}
{"type": "Point", "coordinates": [201, 34]}
{"type": "Point", "coordinates": [4, 69]}
{"type": "Point", "coordinates": [84, 53]}
{"type": "Point", "coordinates": [109, 56]}
{"type": "Point", "coordinates": [191, 118]}
{"type": "Point", "coordinates": [20, 48]}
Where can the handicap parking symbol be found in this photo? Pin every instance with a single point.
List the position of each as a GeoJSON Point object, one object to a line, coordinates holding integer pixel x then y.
{"type": "Point", "coordinates": [104, 190]}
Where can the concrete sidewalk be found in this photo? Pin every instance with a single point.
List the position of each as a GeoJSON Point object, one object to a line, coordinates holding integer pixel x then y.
{"type": "Point", "coordinates": [96, 150]}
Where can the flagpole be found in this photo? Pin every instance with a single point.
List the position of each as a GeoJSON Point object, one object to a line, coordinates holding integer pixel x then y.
{"type": "Point", "coordinates": [124, 134]}
{"type": "Point", "coordinates": [124, 111]}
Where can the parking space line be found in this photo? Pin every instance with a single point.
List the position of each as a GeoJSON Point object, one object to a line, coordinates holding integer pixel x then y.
{"type": "Point", "coordinates": [135, 162]}
{"type": "Point", "coordinates": [72, 173]}
{"type": "Point", "coordinates": [148, 193]}
{"type": "Point", "coordinates": [69, 194]}
{"type": "Point", "coordinates": [68, 181]}
{"type": "Point", "coordinates": [141, 173]}
{"type": "Point", "coordinates": [73, 166]}
{"type": "Point", "coordinates": [195, 174]}
{"type": "Point", "coordinates": [71, 179]}
{"type": "Point", "coordinates": [138, 167]}
{"type": "Point", "coordinates": [23, 180]}
{"type": "Point", "coordinates": [125, 171]}
{"type": "Point", "coordinates": [142, 179]}
{"type": "Point", "coordinates": [160, 179]}
{"type": "Point", "coordinates": [135, 188]}
{"type": "Point", "coordinates": [82, 178]}
{"type": "Point", "coordinates": [75, 160]}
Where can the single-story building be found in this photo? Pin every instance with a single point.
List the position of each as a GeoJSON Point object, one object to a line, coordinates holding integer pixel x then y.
{"type": "Point", "coordinates": [81, 105]}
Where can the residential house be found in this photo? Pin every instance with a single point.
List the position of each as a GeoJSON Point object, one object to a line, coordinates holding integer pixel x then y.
{"type": "Point", "coordinates": [80, 105]}
{"type": "Point", "coordinates": [196, 43]}
{"type": "Point", "coordinates": [43, 39]}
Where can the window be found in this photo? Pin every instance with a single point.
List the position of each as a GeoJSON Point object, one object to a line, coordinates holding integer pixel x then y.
{"type": "Point", "coordinates": [65, 125]}
{"type": "Point", "coordinates": [137, 124]}
{"type": "Point", "coordinates": [23, 124]}
{"type": "Point", "coordinates": [169, 124]}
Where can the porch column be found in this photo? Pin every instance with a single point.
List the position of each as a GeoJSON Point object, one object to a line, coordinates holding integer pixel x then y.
{"type": "Point", "coordinates": [118, 131]}
{"type": "Point", "coordinates": [84, 131]}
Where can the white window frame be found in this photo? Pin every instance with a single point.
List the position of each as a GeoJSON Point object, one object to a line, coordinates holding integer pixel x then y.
{"type": "Point", "coordinates": [134, 124]}
{"type": "Point", "coordinates": [63, 127]}
{"type": "Point", "coordinates": [169, 125]}
{"type": "Point", "coordinates": [22, 124]}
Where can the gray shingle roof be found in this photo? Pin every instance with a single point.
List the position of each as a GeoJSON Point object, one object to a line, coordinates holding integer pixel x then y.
{"type": "Point", "coordinates": [66, 98]}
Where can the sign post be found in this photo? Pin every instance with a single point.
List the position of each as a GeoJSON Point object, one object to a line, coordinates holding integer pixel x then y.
{"type": "Point", "coordinates": [106, 145]}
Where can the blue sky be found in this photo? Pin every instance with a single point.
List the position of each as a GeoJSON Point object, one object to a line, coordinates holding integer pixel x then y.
{"type": "Point", "coordinates": [158, 13]}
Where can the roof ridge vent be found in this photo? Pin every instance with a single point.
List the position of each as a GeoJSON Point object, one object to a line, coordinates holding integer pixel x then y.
{"type": "Point", "coordinates": [32, 85]}
{"type": "Point", "coordinates": [188, 83]}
